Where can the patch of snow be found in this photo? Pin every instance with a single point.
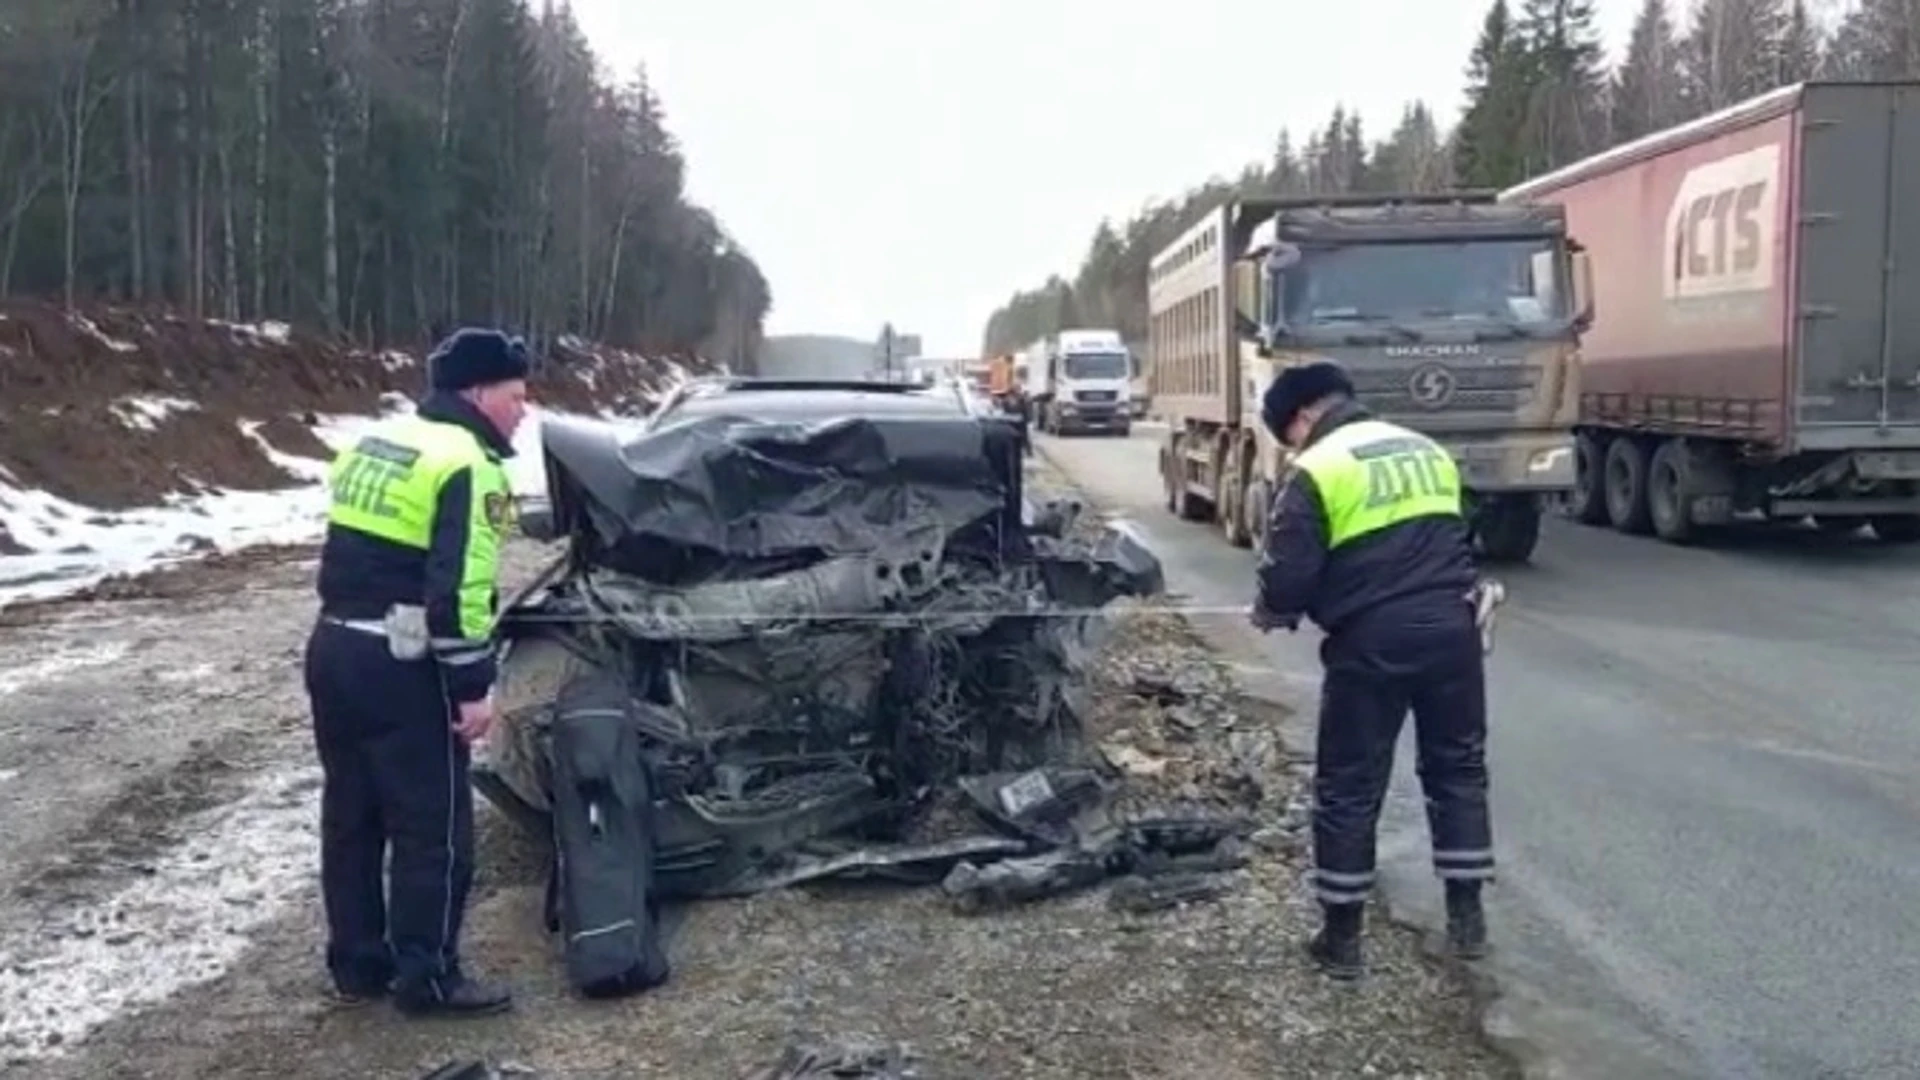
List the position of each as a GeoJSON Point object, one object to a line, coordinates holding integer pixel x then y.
{"type": "Point", "coordinates": [308, 469]}
{"type": "Point", "coordinates": [196, 673]}
{"type": "Point", "coordinates": [270, 330]}
{"type": "Point", "coordinates": [49, 667]}
{"type": "Point", "coordinates": [184, 923]}
{"type": "Point", "coordinates": [395, 360]}
{"type": "Point", "coordinates": [145, 413]}
{"type": "Point", "coordinates": [75, 546]}
{"type": "Point", "coordinates": [86, 326]}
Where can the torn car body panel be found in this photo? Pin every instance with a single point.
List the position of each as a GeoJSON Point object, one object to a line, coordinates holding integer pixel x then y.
{"type": "Point", "coordinates": [823, 628]}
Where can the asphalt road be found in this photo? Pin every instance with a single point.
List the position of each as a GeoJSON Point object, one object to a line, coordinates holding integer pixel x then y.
{"type": "Point", "coordinates": [1706, 788]}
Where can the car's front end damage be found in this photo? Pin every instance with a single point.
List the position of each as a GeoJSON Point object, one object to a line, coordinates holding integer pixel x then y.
{"type": "Point", "coordinates": [839, 648]}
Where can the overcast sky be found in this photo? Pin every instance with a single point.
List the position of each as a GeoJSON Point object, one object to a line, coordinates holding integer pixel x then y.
{"type": "Point", "coordinates": [918, 161]}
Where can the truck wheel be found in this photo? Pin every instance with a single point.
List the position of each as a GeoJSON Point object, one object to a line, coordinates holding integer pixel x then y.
{"type": "Point", "coordinates": [1670, 492]}
{"type": "Point", "coordinates": [1255, 507]}
{"type": "Point", "coordinates": [1508, 529]}
{"type": "Point", "coordinates": [1587, 502]}
{"type": "Point", "coordinates": [1183, 504]}
{"type": "Point", "coordinates": [1896, 528]}
{"type": "Point", "coordinates": [1233, 498]}
{"type": "Point", "coordinates": [1169, 453]}
{"type": "Point", "coordinates": [1626, 480]}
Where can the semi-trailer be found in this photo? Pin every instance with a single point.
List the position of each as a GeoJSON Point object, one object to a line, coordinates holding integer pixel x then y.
{"type": "Point", "coordinates": [1757, 351]}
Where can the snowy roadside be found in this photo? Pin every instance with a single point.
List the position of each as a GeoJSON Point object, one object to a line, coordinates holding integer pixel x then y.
{"type": "Point", "coordinates": [159, 789]}
{"type": "Point", "coordinates": [74, 547]}
{"type": "Point", "coordinates": [146, 937]}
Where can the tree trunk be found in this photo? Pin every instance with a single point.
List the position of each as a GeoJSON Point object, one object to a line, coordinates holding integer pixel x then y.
{"type": "Point", "coordinates": [230, 241]}
{"type": "Point", "coordinates": [613, 269]}
{"type": "Point", "coordinates": [330, 209]}
{"type": "Point", "coordinates": [262, 121]}
{"type": "Point", "coordinates": [136, 191]}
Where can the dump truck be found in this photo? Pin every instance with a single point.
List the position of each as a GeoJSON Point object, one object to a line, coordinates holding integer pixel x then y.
{"type": "Point", "coordinates": [1758, 349]}
{"type": "Point", "coordinates": [1455, 314]}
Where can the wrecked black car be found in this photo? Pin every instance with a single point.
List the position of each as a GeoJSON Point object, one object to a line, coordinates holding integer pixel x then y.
{"type": "Point", "coordinates": [777, 650]}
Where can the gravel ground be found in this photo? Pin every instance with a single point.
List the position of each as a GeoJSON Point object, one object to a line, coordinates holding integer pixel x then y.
{"type": "Point", "coordinates": [161, 919]}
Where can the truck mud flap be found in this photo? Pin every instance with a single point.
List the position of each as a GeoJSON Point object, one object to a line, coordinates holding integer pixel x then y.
{"type": "Point", "coordinates": [600, 890]}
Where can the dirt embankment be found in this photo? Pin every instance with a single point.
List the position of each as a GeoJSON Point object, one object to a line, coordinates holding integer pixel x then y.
{"type": "Point", "coordinates": [120, 407]}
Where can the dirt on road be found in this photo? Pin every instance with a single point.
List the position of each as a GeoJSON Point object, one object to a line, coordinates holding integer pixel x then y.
{"type": "Point", "coordinates": [160, 917]}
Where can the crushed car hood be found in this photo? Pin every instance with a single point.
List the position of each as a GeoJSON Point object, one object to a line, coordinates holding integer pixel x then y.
{"type": "Point", "coordinates": [663, 504]}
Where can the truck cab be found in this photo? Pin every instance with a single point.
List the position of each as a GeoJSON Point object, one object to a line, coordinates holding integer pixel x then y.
{"type": "Point", "coordinates": [1081, 381]}
{"type": "Point", "coordinates": [1455, 315]}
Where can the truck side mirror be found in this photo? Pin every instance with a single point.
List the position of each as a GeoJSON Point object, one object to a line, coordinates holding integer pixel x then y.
{"type": "Point", "coordinates": [1582, 291]}
{"type": "Point", "coordinates": [1273, 285]}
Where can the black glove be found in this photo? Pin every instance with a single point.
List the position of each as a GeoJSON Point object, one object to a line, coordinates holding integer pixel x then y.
{"type": "Point", "coordinates": [1266, 621]}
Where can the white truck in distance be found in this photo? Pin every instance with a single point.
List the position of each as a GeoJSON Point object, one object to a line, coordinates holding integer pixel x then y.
{"type": "Point", "coordinates": [1079, 381]}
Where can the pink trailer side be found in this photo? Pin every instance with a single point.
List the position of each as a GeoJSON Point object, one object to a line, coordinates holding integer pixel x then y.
{"type": "Point", "coordinates": [1756, 341]}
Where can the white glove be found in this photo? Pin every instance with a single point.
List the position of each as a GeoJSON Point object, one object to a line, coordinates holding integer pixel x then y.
{"type": "Point", "coordinates": [1486, 596]}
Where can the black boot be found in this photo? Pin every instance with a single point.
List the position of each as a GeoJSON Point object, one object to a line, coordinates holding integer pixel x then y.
{"type": "Point", "coordinates": [457, 996]}
{"type": "Point", "coordinates": [1466, 920]}
{"type": "Point", "coordinates": [1336, 948]}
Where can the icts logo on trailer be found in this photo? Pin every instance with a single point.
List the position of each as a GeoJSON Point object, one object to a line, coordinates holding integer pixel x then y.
{"type": "Point", "coordinates": [1720, 228]}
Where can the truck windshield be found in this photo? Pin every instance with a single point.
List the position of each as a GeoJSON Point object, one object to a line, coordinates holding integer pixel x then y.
{"type": "Point", "coordinates": [1510, 281]}
{"type": "Point", "coordinates": [1095, 365]}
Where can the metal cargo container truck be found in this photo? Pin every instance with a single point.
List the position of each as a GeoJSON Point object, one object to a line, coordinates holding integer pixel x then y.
{"type": "Point", "coordinates": [1455, 315]}
{"type": "Point", "coordinates": [1757, 274]}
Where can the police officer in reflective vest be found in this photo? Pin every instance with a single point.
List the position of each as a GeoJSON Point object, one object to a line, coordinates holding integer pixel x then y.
{"type": "Point", "coordinates": [1367, 538]}
{"type": "Point", "coordinates": [399, 670]}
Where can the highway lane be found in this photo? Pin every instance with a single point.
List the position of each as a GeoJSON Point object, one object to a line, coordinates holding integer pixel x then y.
{"type": "Point", "coordinates": [1705, 791]}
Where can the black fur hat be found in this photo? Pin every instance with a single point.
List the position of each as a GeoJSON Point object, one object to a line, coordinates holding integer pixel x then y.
{"type": "Point", "coordinates": [472, 357]}
{"type": "Point", "coordinates": [1298, 387]}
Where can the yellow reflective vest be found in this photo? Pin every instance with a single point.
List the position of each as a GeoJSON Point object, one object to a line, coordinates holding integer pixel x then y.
{"type": "Point", "coordinates": [1371, 474]}
{"type": "Point", "coordinates": [388, 486]}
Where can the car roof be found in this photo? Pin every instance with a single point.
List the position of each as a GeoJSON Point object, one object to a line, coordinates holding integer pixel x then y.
{"type": "Point", "coordinates": [800, 399]}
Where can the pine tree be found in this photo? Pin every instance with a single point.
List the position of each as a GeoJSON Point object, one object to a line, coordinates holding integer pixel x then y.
{"type": "Point", "coordinates": [1879, 39]}
{"type": "Point", "coordinates": [1565, 117]}
{"type": "Point", "coordinates": [1647, 93]}
{"type": "Point", "coordinates": [1732, 51]}
{"type": "Point", "coordinates": [1487, 140]}
{"type": "Point", "coordinates": [1799, 54]}
{"type": "Point", "coordinates": [1412, 158]}
{"type": "Point", "coordinates": [1285, 175]}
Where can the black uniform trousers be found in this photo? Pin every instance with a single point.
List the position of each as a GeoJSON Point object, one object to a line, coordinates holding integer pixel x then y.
{"type": "Point", "coordinates": [396, 782]}
{"type": "Point", "coordinates": [1425, 657]}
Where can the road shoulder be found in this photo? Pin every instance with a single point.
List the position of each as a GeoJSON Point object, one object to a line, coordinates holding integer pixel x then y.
{"type": "Point", "coordinates": [1064, 987]}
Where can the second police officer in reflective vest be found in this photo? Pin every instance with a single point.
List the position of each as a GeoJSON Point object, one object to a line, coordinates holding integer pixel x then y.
{"type": "Point", "coordinates": [1368, 539]}
{"type": "Point", "coordinates": [400, 670]}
